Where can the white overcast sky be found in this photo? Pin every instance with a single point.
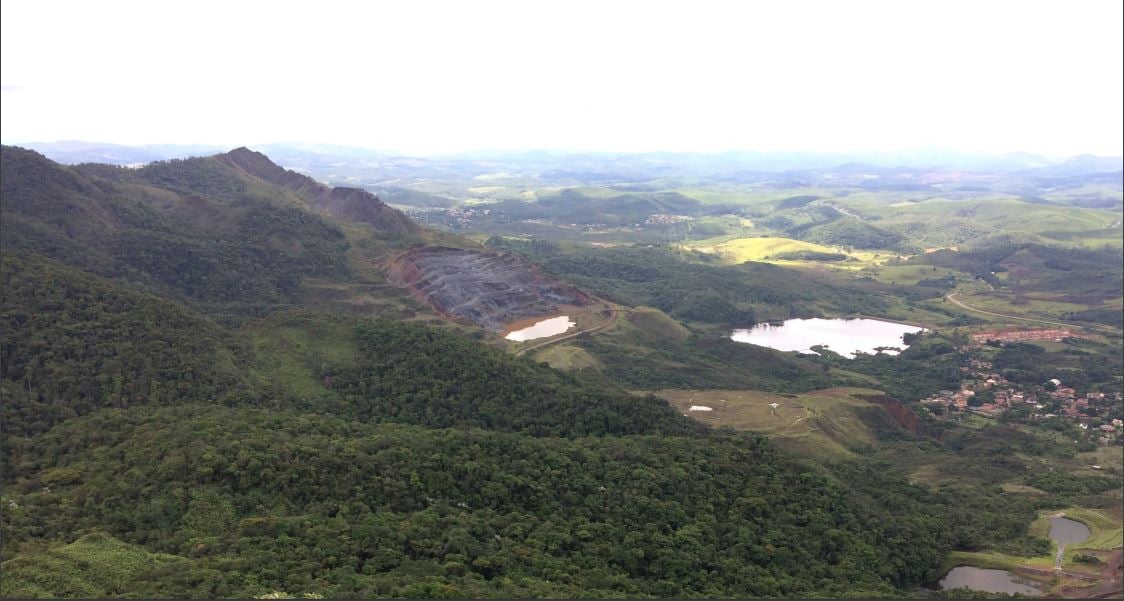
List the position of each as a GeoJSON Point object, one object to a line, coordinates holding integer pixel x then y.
{"type": "Point", "coordinates": [432, 77]}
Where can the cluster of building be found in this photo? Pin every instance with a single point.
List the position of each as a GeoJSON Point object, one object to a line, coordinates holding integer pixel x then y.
{"type": "Point", "coordinates": [987, 393]}
{"type": "Point", "coordinates": [664, 219]}
{"type": "Point", "coordinates": [459, 216]}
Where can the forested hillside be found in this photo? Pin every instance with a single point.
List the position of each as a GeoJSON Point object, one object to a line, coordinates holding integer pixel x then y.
{"type": "Point", "coordinates": [695, 288]}
{"type": "Point", "coordinates": [1080, 275]}
{"type": "Point", "coordinates": [191, 229]}
{"type": "Point", "coordinates": [251, 500]}
{"type": "Point", "coordinates": [74, 343]}
{"type": "Point", "coordinates": [255, 499]}
{"type": "Point", "coordinates": [179, 421]}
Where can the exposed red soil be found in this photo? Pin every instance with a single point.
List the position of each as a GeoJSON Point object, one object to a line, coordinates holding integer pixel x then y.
{"type": "Point", "coordinates": [905, 417]}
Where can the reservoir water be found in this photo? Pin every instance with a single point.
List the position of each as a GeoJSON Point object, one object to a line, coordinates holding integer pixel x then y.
{"type": "Point", "coordinates": [1065, 531]}
{"type": "Point", "coordinates": [843, 336]}
{"type": "Point", "coordinates": [542, 329]}
{"type": "Point", "coordinates": [992, 581]}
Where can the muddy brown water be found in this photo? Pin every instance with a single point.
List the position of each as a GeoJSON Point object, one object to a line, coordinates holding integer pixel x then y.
{"type": "Point", "coordinates": [982, 579]}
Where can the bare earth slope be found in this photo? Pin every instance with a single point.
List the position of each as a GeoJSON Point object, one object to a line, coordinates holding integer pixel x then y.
{"type": "Point", "coordinates": [488, 289]}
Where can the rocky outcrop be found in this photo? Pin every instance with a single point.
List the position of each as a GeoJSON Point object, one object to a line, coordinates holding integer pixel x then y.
{"type": "Point", "coordinates": [488, 289]}
{"type": "Point", "coordinates": [346, 204]}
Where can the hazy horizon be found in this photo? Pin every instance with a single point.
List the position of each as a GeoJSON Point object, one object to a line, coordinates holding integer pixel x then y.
{"type": "Point", "coordinates": [915, 154]}
{"type": "Point", "coordinates": [440, 78]}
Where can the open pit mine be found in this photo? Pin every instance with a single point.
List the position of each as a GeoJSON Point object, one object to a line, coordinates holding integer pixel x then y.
{"type": "Point", "coordinates": [488, 289]}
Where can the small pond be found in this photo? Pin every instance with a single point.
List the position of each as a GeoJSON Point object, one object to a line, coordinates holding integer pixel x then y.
{"type": "Point", "coordinates": [992, 581]}
{"type": "Point", "coordinates": [542, 329]}
{"type": "Point", "coordinates": [1065, 531]}
{"type": "Point", "coordinates": [843, 336]}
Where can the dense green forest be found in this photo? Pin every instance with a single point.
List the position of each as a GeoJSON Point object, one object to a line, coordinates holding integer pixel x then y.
{"type": "Point", "coordinates": [179, 420]}
{"type": "Point", "coordinates": [274, 500]}
{"type": "Point", "coordinates": [77, 343]}
{"type": "Point", "coordinates": [74, 343]}
{"type": "Point", "coordinates": [410, 373]}
{"type": "Point", "coordinates": [252, 500]}
{"type": "Point", "coordinates": [705, 361]}
{"type": "Point", "coordinates": [206, 500]}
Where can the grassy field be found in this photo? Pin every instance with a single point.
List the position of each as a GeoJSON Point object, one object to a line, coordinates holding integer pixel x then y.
{"type": "Point", "coordinates": [740, 250]}
{"type": "Point", "coordinates": [654, 325]}
{"type": "Point", "coordinates": [822, 423]}
{"type": "Point", "coordinates": [1105, 532]}
{"type": "Point", "coordinates": [289, 350]}
{"type": "Point", "coordinates": [1027, 307]}
{"type": "Point", "coordinates": [566, 357]}
{"type": "Point", "coordinates": [996, 561]}
{"type": "Point", "coordinates": [1030, 304]}
{"type": "Point", "coordinates": [1110, 459]}
{"type": "Point", "coordinates": [908, 275]}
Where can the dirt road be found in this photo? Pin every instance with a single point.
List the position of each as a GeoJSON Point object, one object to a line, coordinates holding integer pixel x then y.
{"type": "Point", "coordinates": [614, 315]}
{"type": "Point", "coordinates": [1110, 586]}
{"type": "Point", "coordinates": [952, 298]}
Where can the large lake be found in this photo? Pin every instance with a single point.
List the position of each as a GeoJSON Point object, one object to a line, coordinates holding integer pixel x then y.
{"type": "Point", "coordinates": [843, 336]}
{"type": "Point", "coordinates": [542, 329]}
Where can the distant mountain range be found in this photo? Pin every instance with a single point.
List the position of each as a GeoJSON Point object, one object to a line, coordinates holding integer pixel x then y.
{"type": "Point", "coordinates": [290, 154]}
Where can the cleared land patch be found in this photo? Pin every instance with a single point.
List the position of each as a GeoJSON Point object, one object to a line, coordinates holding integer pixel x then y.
{"type": "Point", "coordinates": [822, 423]}
{"type": "Point", "coordinates": [488, 289]}
{"type": "Point", "coordinates": [567, 358]}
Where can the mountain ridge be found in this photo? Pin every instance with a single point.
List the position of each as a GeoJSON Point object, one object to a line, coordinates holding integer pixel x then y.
{"type": "Point", "coordinates": [348, 204]}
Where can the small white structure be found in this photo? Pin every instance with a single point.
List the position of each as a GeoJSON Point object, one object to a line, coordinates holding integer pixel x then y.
{"type": "Point", "coordinates": [700, 408]}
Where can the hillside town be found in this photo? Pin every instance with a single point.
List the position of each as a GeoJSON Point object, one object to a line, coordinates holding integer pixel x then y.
{"type": "Point", "coordinates": [984, 391]}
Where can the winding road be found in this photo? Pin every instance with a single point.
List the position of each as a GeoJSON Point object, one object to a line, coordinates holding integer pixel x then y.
{"type": "Point", "coordinates": [952, 298]}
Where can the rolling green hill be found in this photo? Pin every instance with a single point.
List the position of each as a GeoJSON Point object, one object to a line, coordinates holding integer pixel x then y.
{"type": "Point", "coordinates": [197, 230]}
{"type": "Point", "coordinates": [696, 287]}
{"type": "Point", "coordinates": [200, 401]}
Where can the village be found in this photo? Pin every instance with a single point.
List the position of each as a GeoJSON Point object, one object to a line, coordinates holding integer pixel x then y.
{"type": "Point", "coordinates": [985, 392]}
